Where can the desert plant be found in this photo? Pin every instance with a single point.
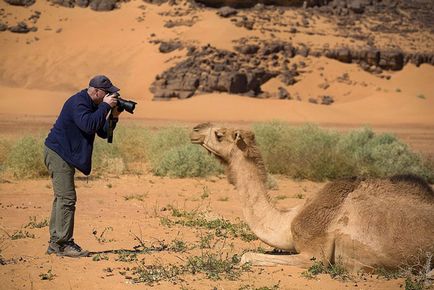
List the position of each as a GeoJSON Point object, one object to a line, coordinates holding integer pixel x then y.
{"type": "Point", "coordinates": [336, 270]}
{"type": "Point", "coordinates": [35, 224]}
{"type": "Point", "coordinates": [310, 152]}
{"type": "Point", "coordinates": [25, 158]}
{"type": "Point", "coordinates": [47, 276]}
{"type": "Point", "coordinates": [20, 234]}
{"type": "Point", "coordinates": [101, 238]}
{"type": "Point", "coordinates": [221, 227]}
{"type": "Point", "coordinates": [139, 197]}
{"type": "Point", "coordinates": [186, 161]}
{"type": "Point", "coordinates": [99, 257]}
{"type": "Point", "coordinates": [214, 266]}
{"type": "Point", "coordinates": [5, 148]}
{"type": "Point", "coordinates": [107, 159]}
{"type": "Point", "coordinates": [126, 256]}
{"type": "Point", "coordinates": [178, 246]}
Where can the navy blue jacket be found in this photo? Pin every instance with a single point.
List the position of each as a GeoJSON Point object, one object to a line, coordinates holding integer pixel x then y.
{"type": "Point", "coordinates": [73, 133]}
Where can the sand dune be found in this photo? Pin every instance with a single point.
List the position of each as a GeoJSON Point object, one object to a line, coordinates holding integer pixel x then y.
{"type": "Point", "coordinates": [40, 75]}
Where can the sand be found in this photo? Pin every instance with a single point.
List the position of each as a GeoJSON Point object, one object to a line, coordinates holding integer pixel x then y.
{"type": "Point", "coordinates": [40, 70]}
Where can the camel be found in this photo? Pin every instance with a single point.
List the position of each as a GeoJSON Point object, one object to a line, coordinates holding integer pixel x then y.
{"type": "Point", "coordinates": [364, 223]}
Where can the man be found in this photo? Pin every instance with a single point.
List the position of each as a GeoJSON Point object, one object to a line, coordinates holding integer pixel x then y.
{"type": "Point", "coordinates": [68, 146]}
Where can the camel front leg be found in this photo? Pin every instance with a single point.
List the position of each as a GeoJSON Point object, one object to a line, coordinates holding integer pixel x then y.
{"type": "Point", "coordinates": [257, 259]}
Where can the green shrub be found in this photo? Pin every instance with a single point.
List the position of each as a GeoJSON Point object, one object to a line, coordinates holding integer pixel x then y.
{"type": "Point", "coordinates": [132, 143]}
{"type": "Point", "coordinates": [25, 158]}
{"type": "Point", "coordinates": [186, 161]}
{"type": "Point", "coordinates": [171, 154]}
{"type": "Point", "coordinates": [5, 148]}
{"type": "Point", "coordinates": [107, 158]}
{"type": "Point", "coordinates": [309, 152]}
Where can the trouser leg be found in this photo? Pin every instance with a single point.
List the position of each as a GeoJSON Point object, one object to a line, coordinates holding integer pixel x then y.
{"type": "Point", "coordinates": [52, 225]}
{"type": "Point", "coordinates": [63, 208]}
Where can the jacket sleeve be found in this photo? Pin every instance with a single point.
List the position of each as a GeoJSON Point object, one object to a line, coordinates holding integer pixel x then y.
{"type": "Point", "coordinates": [103, 131]}
{"type": "Point", "coordinates": [87, 120]}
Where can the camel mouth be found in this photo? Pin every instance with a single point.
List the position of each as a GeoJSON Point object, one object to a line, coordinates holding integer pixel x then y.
{"type": "Point", "coordinates": [197, 141]}
{"type": "Point", "coordinates": [210, 150]}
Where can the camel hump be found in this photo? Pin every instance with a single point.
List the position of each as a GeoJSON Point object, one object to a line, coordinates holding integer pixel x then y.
{"type": "Point", "coordinates": [413, 185]}
{"type": "Point", "coordinates": [315, 218]}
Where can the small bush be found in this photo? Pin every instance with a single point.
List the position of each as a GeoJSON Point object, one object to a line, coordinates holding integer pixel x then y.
{"type": "Point", "coordinates": [335, 270]}
{"type": "Point", "coordinates": [222, 227]}
{"type": "Point", "coordinates": [132, 143]}
{"type": "Point", "coordinates": [5, 148]}
{"type": "Point", "coordinates": [35, 224]}
{"type": "Point", "coordinates": [215, 266]}
{"type": "Point", "coordinates": [309, 152]}
{"type": "Point", "coordinates": [186, 161]}
{"type": "Point", "coordinates": [20, 234]}
{"type": "Point", "coordinates": [25, 158]}
{"type": "Point", "coordinates": [107, 158]}
{"type": "Point", "coordinates": [151, 274]}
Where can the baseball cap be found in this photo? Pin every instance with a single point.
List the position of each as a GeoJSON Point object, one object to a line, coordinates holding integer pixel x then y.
{"type": "Point", "coordinates": [102, 82]}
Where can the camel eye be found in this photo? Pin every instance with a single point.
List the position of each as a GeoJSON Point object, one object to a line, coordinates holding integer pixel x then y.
{"type": "Point", "coordinates": [219, 135]}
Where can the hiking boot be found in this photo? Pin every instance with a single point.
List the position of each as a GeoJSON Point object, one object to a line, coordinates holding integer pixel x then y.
{"type": "Point", "coordinates": [71, 249]}
{"type": "Point", "coordinates": [53, 248]}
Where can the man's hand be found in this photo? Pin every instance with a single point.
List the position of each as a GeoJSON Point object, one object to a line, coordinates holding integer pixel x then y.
{"type": "Point", "coordinates": [111, 100]}
{"type": "Point", "coordinates": [116, 113]}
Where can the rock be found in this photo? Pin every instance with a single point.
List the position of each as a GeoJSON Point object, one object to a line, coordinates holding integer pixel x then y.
{"type": "Point", "coordinates": [21, 27]}
{"type": "Point", "coordinates": [372, 57]}
{"type": "Point", "coordinates": [20, 2]}
{"type": "Point", "coordinates": [103, 5]}
{"type": "Point", "coordinates": [247, 49]}
{"type": "Point", "coordinates": [393, 60]}
{"type": "Point", "coordinates": [227, 12]}
{"type": "Point", "coordinates": [283, 94]}
{"type": "Point", "coordinates": [356, 6]}
{"type": "Point", "coordinates": [288, 77]}
{"type": "Point", "coordinates": [326, 100]}
{"type": "Point", "coordinates": [166, 47]}
{"type": "Point", "coordinates": [64, 3]}
{"type": "Point", "coordinates": [313, 100]}
{"type": "Point", "coordinates": [303, 51]}
{"type": "Point", "coordinates": [3, 27]}
{"type": "Point", "coordinates": [82, 3]}
{"type": "Point", "coordinates": [344, 55]}
{"type": "Point", "coordinates": [238, 83]}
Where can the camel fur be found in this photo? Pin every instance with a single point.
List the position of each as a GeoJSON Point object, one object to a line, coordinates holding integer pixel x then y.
{"type": "Point", "coordinates": [363, 223]}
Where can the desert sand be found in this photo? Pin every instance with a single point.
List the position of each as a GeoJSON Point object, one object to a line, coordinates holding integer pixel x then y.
{"type": "Point", "coordinates": [40, 70]}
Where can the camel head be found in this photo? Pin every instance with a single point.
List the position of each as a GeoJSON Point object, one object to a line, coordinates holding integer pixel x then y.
{"type": "Point", "coordinates": [223, 142]}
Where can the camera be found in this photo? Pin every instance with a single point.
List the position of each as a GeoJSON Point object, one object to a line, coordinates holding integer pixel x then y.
{"type": "Point", "coordinates": [121, 105]}
{"type": "Point", "coordinates": [126, 105]}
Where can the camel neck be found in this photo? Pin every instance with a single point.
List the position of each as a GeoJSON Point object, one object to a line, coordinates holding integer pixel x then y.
{"type": "Point", "coordinates": [270, 224]}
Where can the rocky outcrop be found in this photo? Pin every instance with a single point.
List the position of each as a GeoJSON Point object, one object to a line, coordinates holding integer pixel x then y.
{"type": "Point", "coordinates": [210, 70]}
{"type": "Point", "coordinates": [97, 5]}
{"type": "Point", "coordinates": [20, 2]}
{"type": "Point", "coordinates": [252, 64]}
{"type": "Point", "coordinates": [3, 27]}
{"type": "Point", "coordinates": [21, 27]}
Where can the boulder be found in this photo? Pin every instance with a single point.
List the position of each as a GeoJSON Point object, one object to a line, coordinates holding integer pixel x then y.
{"type": "Point", "coordinates": [20, 2]}
{"type": "Point", "coordinates": [103, 5]}
{"type": "Point", "coordinates": [169, 46]}
{"type": "Point", "coordinates": [21, 27]}
{"type": "Point", "coordinates": [227, 11]}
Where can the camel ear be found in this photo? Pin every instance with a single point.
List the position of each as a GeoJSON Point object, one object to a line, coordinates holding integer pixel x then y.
{"type": "Point", "coordinates": [239, 140]}
{"type": "Point", "coordinates": [242, 139]}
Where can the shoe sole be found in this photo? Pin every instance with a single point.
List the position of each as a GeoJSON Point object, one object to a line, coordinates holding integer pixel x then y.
{"type": "Point", "coordinates": [50, 251]}
{"type": "Point", "coordinates": [86, 254]}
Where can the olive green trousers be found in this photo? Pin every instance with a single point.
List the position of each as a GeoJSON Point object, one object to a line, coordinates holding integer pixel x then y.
{"type": "Point", "coordinates": [65, 198]}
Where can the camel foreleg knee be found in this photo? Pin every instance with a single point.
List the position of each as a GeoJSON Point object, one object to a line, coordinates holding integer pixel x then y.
{"type": "Point", "coordinates": [257, 259]}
